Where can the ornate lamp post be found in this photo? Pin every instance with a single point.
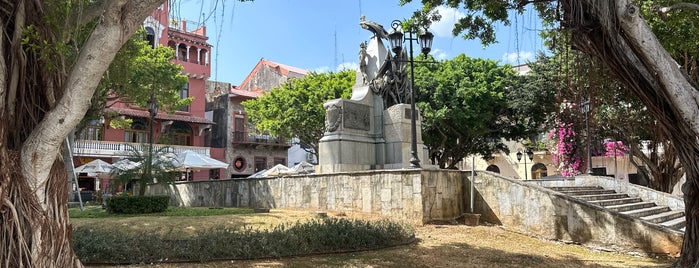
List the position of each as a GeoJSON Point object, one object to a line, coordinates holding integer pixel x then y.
{"type": "Point", "coordinates": [396, 39]}
{"type": "Point", "coordinates": [530, 155]}
{"type": "Point", "coordinates": [585, 106]}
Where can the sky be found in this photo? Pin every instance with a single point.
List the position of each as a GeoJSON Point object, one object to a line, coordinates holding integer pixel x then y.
{"type": "Point", "coordinates": [324, 35]}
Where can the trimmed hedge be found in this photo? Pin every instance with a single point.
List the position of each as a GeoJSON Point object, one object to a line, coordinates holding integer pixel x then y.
{"type": "Point", "coordinates": [330, 235]}
{"type": "Point", "coordinates": [126, 204]}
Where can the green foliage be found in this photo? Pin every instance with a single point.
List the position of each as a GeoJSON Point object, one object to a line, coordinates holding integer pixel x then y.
{"type": "Point", "coordinates": [137, 71]}
{"type": "Point", "coordinates": [465, 109]}
{"type": "Point", "coordinates": [98, 212]}
{"type": "Point", "coordinates": [156, 167]}
{"type": "Point", "coordinates": [295, 109]}
{"type": "Point", "coordinates": [126, 204]}
{"type": "Point", "coordinates": [329, 235]}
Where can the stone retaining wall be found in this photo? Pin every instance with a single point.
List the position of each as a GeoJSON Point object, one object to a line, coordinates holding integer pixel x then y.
{"type": "Point", "coordinates": [529, 208]}
{"type": "Point", "coordinates": [412, 195]}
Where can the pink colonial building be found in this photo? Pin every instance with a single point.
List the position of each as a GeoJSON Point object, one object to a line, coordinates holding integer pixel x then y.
{"type": "Point", "coordinates": [187, 129]}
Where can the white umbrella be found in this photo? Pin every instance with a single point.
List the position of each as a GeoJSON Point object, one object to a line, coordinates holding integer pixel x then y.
{"type": "Point", "coordinates": [95, 166]}
{"type": "Point", "coordinates": [125, 164]}
{"type": "Point", "coordinates": [189, 160]}
{"type": "Point", "coordinates": [302, 168]}
{"type": "Point", "coordinates": [275, 170]}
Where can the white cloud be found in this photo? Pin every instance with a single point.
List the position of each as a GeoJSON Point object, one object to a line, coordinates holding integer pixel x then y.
{"type": "Point", "coordinates": [347, 66]}
{"type": "Point", "coordinates": [439, 54]}
{"type": "Point", "coordinates": [443, 27]}
{"type": "Point", "coordinates": [520, 57]}
{"type": "Point", "coordinates": [321, 69]}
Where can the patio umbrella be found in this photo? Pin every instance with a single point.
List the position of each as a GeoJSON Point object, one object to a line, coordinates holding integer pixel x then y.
{"type": "Point", "coordinates": [125, 164]}
{"type": "Point", "coordinates": [95, 166]}
{"type": "Point", "coordinates": [302, 168]}
{"type": "Point", "coordinates": [279, 169]}
{"type": "Point", "coordinates": [190, 160]}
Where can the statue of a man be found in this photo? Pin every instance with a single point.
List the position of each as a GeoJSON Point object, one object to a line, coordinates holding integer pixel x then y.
{"type": "Point", "coordinates": [363, 61]}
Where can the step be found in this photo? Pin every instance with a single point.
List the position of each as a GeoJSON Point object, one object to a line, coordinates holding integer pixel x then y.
{"type": "Point", "coordinates": [612, 202]}
{"type": "Point", "coordinates": [637, 213]}
{"type": "Point", "coordinates": [572, 188]}
{"type": "Point", "coordinates": [632, 206]}
{"type": "Point", "coordinates": [601, 196]}
{"type": "Point", "coordinates": [678, 223]}
{"type": "Point", "coordinates": [664, 217]}
{"type": "Point", "coordinates": [588, 192]}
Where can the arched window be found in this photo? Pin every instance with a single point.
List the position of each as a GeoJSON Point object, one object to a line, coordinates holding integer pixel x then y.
{"type": "Point", "coordinates": [139, 131]}
{"type": "Point", "coordinates": [180, 134]}
{"type": "Point", "coordinates": [150, 36]}
{"type": "Point", "coordinates": [182, 52]}
{"type": "Point", "coordinates": [539, 171]}
{"type": "Point", "coordinates": [493, 168]}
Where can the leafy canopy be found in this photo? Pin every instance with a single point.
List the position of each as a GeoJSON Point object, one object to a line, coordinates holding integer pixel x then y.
{"type": "Point", "coordinates": [295, 109]}
{"type": "Point", "coordinates": [464, 103]}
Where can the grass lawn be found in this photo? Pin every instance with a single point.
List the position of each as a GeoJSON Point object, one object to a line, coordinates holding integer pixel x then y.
{"type": "Point", "coordinates": [437, 246]}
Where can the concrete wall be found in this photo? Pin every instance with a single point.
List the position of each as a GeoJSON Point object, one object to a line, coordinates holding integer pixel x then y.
{"type": "Point", "coordinates": [417, 196]}
{"type": "Point", "coordinates": [529, 208]}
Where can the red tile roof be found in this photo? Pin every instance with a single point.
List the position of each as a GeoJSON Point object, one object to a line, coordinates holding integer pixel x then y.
{"type": "Point", "coordinates": [245, 93]}
{"type": "Point", "coordinates": [282, 69]}
{"type": "Point", "coordinates": [161, 115]}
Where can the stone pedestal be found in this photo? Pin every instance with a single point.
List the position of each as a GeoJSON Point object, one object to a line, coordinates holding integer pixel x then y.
{"type": "Point", "coordinates": [398, 137]}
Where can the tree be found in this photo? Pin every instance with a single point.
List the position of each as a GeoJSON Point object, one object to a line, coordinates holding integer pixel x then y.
{"type": "Point", "coordinates": [52, 55]}
{"type": "Point", "coordinates": [614, 32]}
{"type": "Point", "coordinates": [157, 166]}
{"type": "Point", "coordinates": [465, 109]}
{"type": "Point", "coordinates": [295, 109]}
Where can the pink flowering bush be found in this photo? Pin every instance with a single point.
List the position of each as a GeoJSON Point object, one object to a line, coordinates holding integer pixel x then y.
{"type": "Point", "coordinates": [615, 148]}
{"type": "Point", "coordinates": [565, 149]}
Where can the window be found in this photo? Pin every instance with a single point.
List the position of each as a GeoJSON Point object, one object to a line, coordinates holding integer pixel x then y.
{"type": "Point", "coordinates": [92, 132]}
{"type": "Point", "coordinates": [239, 163]}
{"type": "Point", "coordinates": [138, 133]}
{"type": "Point", "coordinates": [180, 134]}
{"type": "Point", "coordinates": [493, 168]}
{"type": "Point", "coordinates": [260, 163]}
{"type": "Point", "coordinates": [279, 160]}
{"type": "Point", "coordinates": [184, 93]}
{"type": "Point", "coordinates": [214, 174]}
{"type": "Point", "coordinates": [239, 134]}
{"type": "Point", "coordinates": [150, 36]}
{"type": "Point", "coordinates": [539, 171]}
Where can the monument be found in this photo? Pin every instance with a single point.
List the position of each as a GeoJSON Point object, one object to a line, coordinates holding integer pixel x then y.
{"type": "Point", "coordinates": [371, 130]}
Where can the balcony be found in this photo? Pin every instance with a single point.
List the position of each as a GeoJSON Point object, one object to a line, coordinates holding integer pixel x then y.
{"type": "Point", "coordinates": [253, 139]}
{"type": "Point", "coordinates": [91, 148]}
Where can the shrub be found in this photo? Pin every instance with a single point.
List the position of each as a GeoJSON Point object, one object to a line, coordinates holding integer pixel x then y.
{"type": "Point", "coordinates": [126, 204]}
{"type": "Point", "coordinates": [94, 245]}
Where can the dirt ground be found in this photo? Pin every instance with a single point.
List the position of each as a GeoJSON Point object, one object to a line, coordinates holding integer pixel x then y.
{"type": "Point", "coordinates": [441, 246]}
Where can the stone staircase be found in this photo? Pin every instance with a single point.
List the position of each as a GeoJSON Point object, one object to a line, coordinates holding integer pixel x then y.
{"type": "Point", "coordinates": [622, 203]}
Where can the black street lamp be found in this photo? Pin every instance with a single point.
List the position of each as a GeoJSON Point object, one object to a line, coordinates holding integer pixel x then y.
{"type": "Point", "coordinates": [530, 155]}
{"type": "Point", "coordinates": [153, 110]}
{"type": "Point", "coordinates": [585, 107]}
{"type": "Point", "coordinates": [396, 40]}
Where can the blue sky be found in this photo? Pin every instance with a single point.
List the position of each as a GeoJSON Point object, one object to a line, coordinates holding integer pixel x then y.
{"type": "Point", "coordinates": [324, 35]}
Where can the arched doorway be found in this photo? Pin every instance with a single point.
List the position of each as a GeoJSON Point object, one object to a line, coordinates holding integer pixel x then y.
{"type": "Point", "coordinates": [493, 168]}
{"type": "Point", "coordinates": [539, 171]}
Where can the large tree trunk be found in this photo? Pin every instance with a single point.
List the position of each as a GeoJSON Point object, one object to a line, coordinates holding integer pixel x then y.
{"type": "Point", "coordinates": [44, 93]}
{"type": "Point", "coordinates": [614, 31]}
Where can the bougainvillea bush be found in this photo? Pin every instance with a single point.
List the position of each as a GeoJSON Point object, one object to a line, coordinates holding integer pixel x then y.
{"type": "Point", "coordinates": [565, 149]}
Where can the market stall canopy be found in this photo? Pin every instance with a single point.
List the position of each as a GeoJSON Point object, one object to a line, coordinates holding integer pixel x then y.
{"type": "Point", "coordinates": [302, 168]}
{"type": "Point", "coordinates": [190, 160]}
{"type": "Point", "coordinates": [125, 164]}
{"type": "Point", "coordinates": [97, 166]}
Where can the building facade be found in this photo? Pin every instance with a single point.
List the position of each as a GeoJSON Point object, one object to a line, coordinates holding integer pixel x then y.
{"type": "Point", "coordinates": [186, 129]}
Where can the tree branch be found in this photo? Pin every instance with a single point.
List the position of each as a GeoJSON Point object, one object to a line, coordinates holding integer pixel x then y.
{"type": "Point", "coordinates": [663, 11]}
